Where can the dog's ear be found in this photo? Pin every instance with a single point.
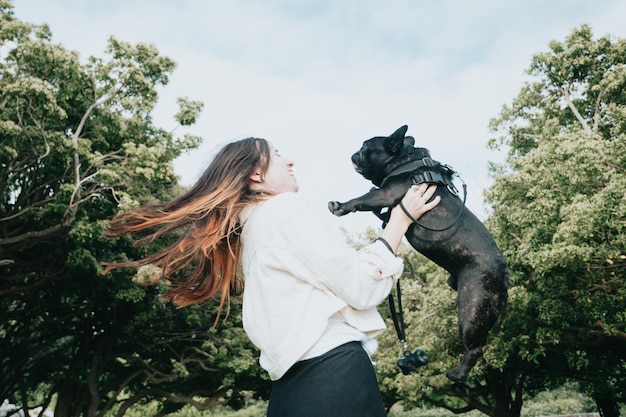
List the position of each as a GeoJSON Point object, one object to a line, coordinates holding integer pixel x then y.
{"type": "Point", "coordinates": [400, 132]}
{"type": "Point", "coordinates": [395, 141]}
{"type": "Point", "coordinates": [409, 141]}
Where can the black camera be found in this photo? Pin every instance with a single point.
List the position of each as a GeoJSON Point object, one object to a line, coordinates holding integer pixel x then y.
{"type": "Point", "coordinates": [412, 360]}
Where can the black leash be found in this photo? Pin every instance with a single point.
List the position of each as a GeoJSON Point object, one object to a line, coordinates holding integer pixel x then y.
{"type": "Point", "coordinates": [411, 360]}
{"type": "Point", "coordinates": [398, 317]}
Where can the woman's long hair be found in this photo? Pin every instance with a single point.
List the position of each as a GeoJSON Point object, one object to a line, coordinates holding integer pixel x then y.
{"type": "Point", "coordinates": [208, 215]}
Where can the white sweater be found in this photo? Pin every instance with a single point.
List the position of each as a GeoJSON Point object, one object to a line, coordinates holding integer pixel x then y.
{"type": "Point", "coordinates": [298, 273]}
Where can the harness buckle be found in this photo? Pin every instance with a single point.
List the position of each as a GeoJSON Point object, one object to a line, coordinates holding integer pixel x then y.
{"type": "Point", "coordinates": [449, 170]}
{"type": "Point", "coordinates": [433, 177]}
{"type": "Point", "coordinates": [428, 162]}
{"type": "Point", "coordinates": [417, 179]}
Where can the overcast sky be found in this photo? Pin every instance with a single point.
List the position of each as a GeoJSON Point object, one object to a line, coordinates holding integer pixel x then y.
{"type": "Point", "coordinates": [317, 77]}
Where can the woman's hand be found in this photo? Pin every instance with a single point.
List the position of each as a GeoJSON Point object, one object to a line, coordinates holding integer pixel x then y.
{"type": "Point", "coordinates": [416, 201]}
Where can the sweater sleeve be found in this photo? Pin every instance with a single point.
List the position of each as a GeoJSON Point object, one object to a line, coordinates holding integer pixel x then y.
{"type": "Point", "coordinates": [304, 243]}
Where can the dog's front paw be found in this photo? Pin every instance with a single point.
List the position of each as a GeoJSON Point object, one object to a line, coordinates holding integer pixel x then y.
{"type": "Point", "coordinates": [337, 208]}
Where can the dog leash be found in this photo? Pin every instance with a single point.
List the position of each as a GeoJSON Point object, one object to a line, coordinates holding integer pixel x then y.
{"type": "Point", "coordinates": [411, 360]}
{"type": "Point", "coordinates": [409, 363]}
{"type": "Point", "coordinates": [398, 317]}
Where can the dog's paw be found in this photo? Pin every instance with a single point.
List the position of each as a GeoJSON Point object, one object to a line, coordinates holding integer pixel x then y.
{"type": "Point", "coordinates": [458, 374]}
{"type": "Point", "coordinates": [337, 208]}
{"type": "Point", "coordinates": [452, 282]}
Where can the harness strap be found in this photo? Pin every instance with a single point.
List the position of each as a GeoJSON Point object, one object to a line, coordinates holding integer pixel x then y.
{"type": "Point", "coordinates": [444, 228]}
{"type": "Point", "coordinates": [411, 166]}
{"type": "Point", "coordinates": [443, 176]}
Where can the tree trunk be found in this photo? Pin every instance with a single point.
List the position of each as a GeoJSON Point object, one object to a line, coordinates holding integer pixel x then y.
{"type": "Point", "coordinates": [607, 407]}
{"type": "Point", "coordinates": [64, 400]}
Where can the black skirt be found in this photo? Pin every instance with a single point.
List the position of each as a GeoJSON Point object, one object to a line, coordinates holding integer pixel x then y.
{"type": "Point", "coordinates": [339, 383]}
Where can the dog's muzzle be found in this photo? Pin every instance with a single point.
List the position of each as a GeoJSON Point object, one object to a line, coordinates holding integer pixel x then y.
{"type": "Point", "coordinates": [357, 163]}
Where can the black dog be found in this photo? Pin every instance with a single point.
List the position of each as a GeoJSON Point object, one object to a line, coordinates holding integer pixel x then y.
{"type": "Point", "coordinates": [450, 235]}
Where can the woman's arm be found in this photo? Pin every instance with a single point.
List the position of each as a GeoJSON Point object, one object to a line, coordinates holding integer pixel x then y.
{"type": "Point", "coordinates": [297, 241]}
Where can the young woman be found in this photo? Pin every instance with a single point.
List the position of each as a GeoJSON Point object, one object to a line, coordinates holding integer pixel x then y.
{"type": "Point", "coordinates": [310, 299]}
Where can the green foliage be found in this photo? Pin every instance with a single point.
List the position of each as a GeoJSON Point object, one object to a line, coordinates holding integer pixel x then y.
{"type": "Point", "coordinates": [559, 214]}
{"type": "Point", "coordinates": [561, 401]}
{"type": "Point", "coordinates": [253, 408]}
{"type": "Point", "coordinates": [77, 145]}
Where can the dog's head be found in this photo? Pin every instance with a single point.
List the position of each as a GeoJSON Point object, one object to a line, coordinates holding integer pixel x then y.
{"type": "Point", "coordinates": [381, 154]}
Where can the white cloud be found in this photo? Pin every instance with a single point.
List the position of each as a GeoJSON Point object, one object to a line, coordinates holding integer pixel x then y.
{"type": "Point", "coordinates": [318, 77]}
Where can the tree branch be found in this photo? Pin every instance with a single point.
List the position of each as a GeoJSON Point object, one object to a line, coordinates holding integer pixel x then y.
{"type": "Point", "coordinates": [599, 335]}
{"type": "Point", "coordinates": [596, 110]}
{"type": "Point", "coordinates": [442, 404]}
{"type": "Point", "coordinates": [77, 181]}
{"type": "Point", "coordinates": [570, 104]}
{"type": "Point", "coordinates": [210, 403]}
{"type": "Point", "coordinates": [32, 235]}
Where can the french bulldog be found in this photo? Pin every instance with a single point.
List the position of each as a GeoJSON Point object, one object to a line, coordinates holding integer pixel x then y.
{"type": "Point", "coordinates": [450, 234]}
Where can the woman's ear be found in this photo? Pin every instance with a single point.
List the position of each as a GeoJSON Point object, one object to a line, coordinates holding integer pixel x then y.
{"type": "Point", "coordinates": [256, 177]}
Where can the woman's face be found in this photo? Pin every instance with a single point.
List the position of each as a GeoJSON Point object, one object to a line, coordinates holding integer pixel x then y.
{"type": "Point", "coordinates": [279, 177]}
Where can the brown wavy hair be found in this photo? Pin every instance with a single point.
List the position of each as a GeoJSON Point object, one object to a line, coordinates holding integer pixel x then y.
{"type": "Point", "coordinates": [208, 215]}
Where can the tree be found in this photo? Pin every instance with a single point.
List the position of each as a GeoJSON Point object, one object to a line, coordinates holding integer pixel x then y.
{"type": "Point", "coordinates": [559, 215]}
{"type": "Point", "coordinates": [78, 144]}
{"type": "Point", "coordinates": [559, 212]}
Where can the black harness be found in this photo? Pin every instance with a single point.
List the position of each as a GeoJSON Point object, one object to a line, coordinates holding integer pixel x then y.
{"type": "Point", "coordinates": [432, 172]}
{"type": "Point", "coordinates": [439, 174]}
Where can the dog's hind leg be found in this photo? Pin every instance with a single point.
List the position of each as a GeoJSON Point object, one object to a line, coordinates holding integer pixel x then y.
{"type": "Point", "coordinates": [468, 360]}
{"type": "Point", "coordinates": [478, 311]}
{"type": "Point", "coordinates": [473, 339]}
